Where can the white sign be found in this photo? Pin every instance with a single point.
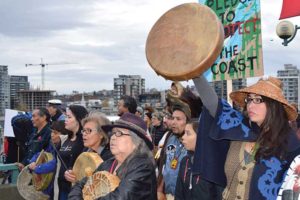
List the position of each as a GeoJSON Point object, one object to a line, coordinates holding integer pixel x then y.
{"type": "Point", "coordinates": [9, 114]}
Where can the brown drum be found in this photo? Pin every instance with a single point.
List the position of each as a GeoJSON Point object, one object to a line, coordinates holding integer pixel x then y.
{"type": "Point", "coordinates": [184, 42]}
{"type": "Point", "coordinates": [26, 188]}
{"type": "Point", "coordinates": [99, 184]}
{"type": "Point", "coordinates": [42, 181]}
{"type": "Point", "coordinates": [84, 160]}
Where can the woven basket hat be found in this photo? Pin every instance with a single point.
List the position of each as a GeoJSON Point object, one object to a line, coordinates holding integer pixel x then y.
{"type": "Point", "coordinates": [270, 87]}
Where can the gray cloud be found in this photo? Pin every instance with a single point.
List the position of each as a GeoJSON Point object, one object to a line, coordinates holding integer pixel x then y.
{"type": "Point", "coordinates": [33, 18]}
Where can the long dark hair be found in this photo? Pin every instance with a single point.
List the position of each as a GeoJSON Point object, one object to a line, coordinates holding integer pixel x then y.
{"type": "Point", "coordinates": [274, 132]}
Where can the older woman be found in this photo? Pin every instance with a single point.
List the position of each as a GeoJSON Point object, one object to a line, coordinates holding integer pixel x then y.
{"type": "Point", "coordinates": [158, 128]}
{"type": "Point", "coordinates": [94, 138]}
{"type": "Point", "coordinates": [133, 163]}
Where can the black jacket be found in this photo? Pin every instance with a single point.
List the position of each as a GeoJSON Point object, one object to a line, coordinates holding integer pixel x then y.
{"type": "Point", "coordinates": [56, 116]}
{"type": "Point", "coordinates": [138, 181]}
{"type": "Point", "coordinates": [37, 142]}
{"type": "Point", "coordinates": [157, 132]}
{"type": "Point", "coordinates": [193, 187]}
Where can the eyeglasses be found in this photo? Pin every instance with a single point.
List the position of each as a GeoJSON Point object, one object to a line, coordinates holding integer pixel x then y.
{"type": "Point", "coordinates": [255, 100]}
{"type": "Point", "coordinates": [88, 130]}
{"type": "Point", "coordinates": [117, 133]}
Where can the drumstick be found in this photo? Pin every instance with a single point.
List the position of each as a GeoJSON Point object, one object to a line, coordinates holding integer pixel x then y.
{"type": "Point", "coordinates": [59, 157]}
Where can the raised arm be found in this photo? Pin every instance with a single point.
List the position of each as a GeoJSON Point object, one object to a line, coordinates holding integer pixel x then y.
{"type": "Point", "coordinates": [207, 94]}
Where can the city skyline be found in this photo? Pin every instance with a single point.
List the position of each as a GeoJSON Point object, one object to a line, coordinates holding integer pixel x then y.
{"type": "Point", "coordinates": [103, 40]}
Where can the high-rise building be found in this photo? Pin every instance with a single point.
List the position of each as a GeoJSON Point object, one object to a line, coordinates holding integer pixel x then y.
{"type": "Point", "coordinates": [155, 99]}
{"type": "Point", "coordinates": [221, 86]}
{"type": "Point", "coordinates": [17, 83]}
{"type": "Point", "coordinates": [4, 90]}
{"type": "Point", "coordinates": [31, 99]}
{"type": "Point", "coordinates": [132, 85]}
{"type": "Point", "coordinates": [290, 78]}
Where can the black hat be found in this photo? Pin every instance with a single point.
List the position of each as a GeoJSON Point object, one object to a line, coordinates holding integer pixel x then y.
{"type": "Point", "coordinates": [133, 123]}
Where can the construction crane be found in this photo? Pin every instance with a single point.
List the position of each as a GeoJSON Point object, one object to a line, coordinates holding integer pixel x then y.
{"type": "Point", "coordinates": [42, 64]}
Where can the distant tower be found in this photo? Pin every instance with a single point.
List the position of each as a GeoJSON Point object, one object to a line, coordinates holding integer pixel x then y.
{"type": "Point", "coordinates": [221, 86]}
{"type": "Point", "coordinates": [4, 89]}
{"type": "Point", "coordinates": [132, 85]}
{"type": "Point", "coordinates": [17, 83]}
{"type": "Point", "coordinates": [82, 100]}
{"type": "Point", "coordinates": [290, 78]}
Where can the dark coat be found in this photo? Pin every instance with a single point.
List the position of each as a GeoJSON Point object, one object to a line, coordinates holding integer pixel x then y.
{"type": "Point", "coordinates": [59, 116]}
{"type": "Point", "coordinates": [138, 181]}
{"type": "Point", "coordinates": [157, 132]}
{"type": "Point", "coordinates": [193, 187]}
{"type": "Point", "coordinates": [37, 142]}
{"type": "Point", "coordinates": [212, 146]}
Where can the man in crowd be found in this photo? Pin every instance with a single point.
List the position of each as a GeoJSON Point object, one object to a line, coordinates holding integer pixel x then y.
{"type": "Point", "coordinates": [173, 152]}
{"type": "Point", "coordinates": [54, 110]}
{"type": "Point", "coordinates": [40, 138]}
{"type": "Point", "coordinates": [126, 104]}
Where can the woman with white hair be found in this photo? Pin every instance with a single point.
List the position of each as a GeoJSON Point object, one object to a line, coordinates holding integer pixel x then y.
{"type": "Point", "coordinates": [133, 162]}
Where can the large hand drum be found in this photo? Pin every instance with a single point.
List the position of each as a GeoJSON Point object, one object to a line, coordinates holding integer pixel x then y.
{"type": "Point", "coordinates": [84, 160]}
{"type": "Point", "coordinates": [42, 181]}
{"type": "Point", "coordinates": [25, 187]}
{"type": "Point", "coordinates": [184, 42]}
{"type": "Point", "coordinates": [99, 184]}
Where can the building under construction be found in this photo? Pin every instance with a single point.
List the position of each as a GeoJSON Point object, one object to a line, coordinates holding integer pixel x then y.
{"type": "Point", "coordinates": [31, 99]}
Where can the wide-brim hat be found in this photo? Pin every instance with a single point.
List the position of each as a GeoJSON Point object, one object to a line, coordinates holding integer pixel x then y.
{"type": "Point", "coordinates": [134, 123]}
{"type": "Point", "coordinates": [270, 87]}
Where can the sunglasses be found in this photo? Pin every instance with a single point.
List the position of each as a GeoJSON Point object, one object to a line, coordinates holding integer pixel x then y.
{"type": "Point", "coordinates": [255, 100]}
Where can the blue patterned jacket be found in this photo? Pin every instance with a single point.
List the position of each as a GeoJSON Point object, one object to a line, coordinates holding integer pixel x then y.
{"type": "Point", "coordinates": [213, 141]}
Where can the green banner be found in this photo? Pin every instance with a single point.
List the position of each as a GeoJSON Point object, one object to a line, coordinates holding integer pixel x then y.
{"type": "Point", "coordinates": [241, 56]}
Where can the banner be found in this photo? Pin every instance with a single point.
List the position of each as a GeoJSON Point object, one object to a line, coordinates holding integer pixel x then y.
{"type": "Point", "coordinates": [290, 8]}
{"type": "Point", "coordinates": [9, 114]}
{"type": "Point", "coordinates": [241, 56]}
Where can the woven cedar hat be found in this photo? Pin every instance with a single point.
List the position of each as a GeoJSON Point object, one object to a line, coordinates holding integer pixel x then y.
{"type": "Point", "coordinates": [134, 123]}
{"type": "Point", "coordinates": [271, 88]}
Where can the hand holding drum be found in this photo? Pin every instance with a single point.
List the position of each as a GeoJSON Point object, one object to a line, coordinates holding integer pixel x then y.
{"type": "Point", "coordinates": [184, 42]}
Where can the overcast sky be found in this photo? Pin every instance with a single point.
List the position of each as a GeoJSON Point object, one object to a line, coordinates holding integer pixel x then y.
{"type": "Point", "coordinates": [103, 38]}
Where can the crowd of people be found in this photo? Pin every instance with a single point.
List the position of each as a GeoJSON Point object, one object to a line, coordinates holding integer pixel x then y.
{"type": "Point", "coordinates": [197, 147]}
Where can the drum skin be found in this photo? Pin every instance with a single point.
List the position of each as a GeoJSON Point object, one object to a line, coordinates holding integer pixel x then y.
{"type": "Point", "coordinates": [84, 160]}
{"type": "Point", "coordinates": [42, 181]}
{"type": "Point", "coordinates": [100, 184]}
{"type": "Point", "coordinates": [26, 188]}
{"type": "Point", "coordinates": [185, 42]}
